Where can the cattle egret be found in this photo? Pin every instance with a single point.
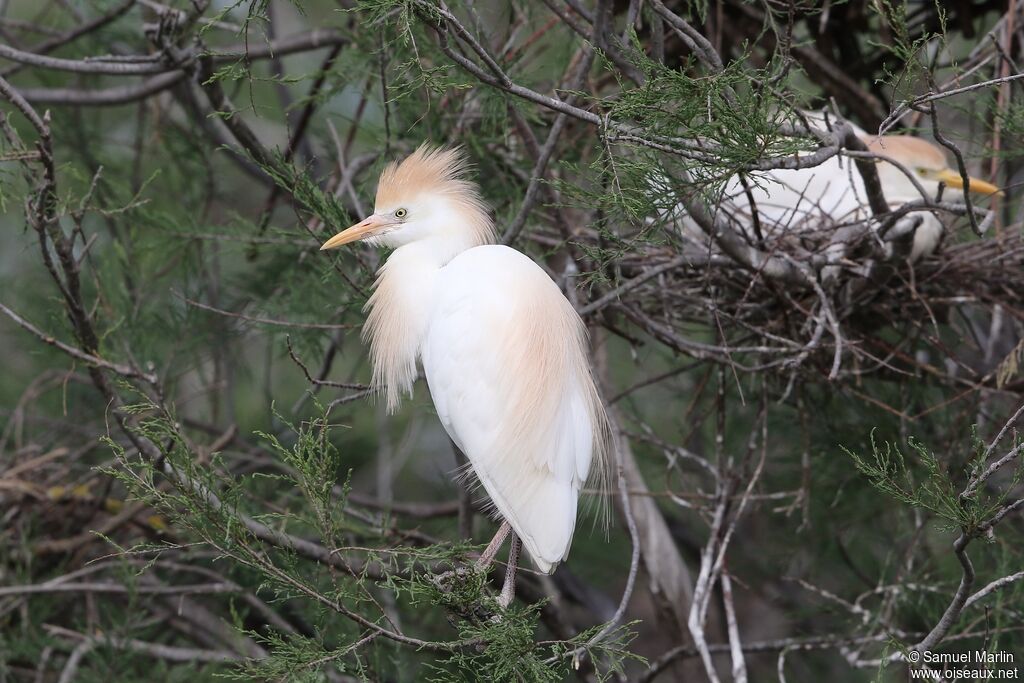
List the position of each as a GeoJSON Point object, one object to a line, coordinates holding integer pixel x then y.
{"type": "Point", "coordinates": [503, 351]}
{"type": "Point", "coordinates": [824, 197]}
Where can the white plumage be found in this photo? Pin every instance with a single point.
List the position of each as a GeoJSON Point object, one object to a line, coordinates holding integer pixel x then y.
{"type": "Point", "coordinates": [514, 396]}
{"type": "Point", "coordinates": [504, 352]}
{"type": "Point", "coordinates": [820, 199]}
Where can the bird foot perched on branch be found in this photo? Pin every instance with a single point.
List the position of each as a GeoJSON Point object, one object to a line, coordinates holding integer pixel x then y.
{"type": "Point", "coordinates": [462, 595]}
{"type": "Point", "coordinates": [508, 588]}
{"type": "Point", "coordinates": [463, 586]}
{"type": "Point", "coordinates": [451, 580]}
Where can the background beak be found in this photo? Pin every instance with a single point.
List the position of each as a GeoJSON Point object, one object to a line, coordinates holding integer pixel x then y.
{"type": "Point", "coordinates": [359, 231]}
{"type": "Point", "coordinates": [953, 179]}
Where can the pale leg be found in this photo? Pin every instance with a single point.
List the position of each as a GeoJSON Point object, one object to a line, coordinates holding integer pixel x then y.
{"type": "Point", "coordinates": [494, 546]}
{"type": "Point", "coordinates": [508, 590]}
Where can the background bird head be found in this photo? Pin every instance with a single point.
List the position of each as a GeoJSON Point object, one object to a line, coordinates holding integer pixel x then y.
{"type": "Point", "coordinates": [426, 197]}
{"type": "Point", "coordinates": [929, 165]}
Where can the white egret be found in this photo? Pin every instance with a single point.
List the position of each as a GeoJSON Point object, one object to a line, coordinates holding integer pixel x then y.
{"type": "Point", "coordinates": [821, 198]}
{"type": "Point", "coordinates": [503, 351]}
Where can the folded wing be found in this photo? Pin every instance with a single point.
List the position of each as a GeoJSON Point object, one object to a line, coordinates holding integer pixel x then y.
{"type": "Point", "coordinates": [506, 359]}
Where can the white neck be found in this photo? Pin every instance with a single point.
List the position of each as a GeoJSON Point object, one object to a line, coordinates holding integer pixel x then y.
{"type": "Point", "coordinates": [434, 251]}
{"type": "Point", "coordinates": [400, 310]}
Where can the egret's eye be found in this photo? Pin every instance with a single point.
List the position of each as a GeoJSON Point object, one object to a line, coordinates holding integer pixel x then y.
{"type": "Point", "coordinates": [401, 213]}
{"type": "Point", "coordinates": [921, 171]}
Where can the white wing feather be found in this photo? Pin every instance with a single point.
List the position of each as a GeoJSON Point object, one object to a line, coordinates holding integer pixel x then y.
{"type": "Point", "coordinates": [505, 358]}
{"type": "Point", "coordinates": [816, 200]}
{"type": "Point", "coordinates": [807, 200]}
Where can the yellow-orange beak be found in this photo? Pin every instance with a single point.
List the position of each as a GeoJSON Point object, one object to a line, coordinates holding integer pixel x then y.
{"type": "Point", "coordinates": [953, 179]}
{"type": "Point", "coordinates": [367, 228]}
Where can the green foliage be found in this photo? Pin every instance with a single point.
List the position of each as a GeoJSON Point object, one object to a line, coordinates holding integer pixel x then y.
{"type": "Point", "coordinates": [492, 644]}
{"type": "Point", "coordinates": [505, 650]}
{"type": "Point", "coordinates": [908, 50]}
{"type": "Point", "coordinates": [306, 192]}
{"type": "Point", "coordinates": [926, 483]}
{"type": "Point", "coordinates": [317, 466]}
{"type": "Point", "coordinates": [297, 659]}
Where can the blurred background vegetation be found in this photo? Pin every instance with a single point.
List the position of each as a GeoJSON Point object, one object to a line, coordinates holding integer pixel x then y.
{"type": "Point", "coordinates": [196, 481]}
